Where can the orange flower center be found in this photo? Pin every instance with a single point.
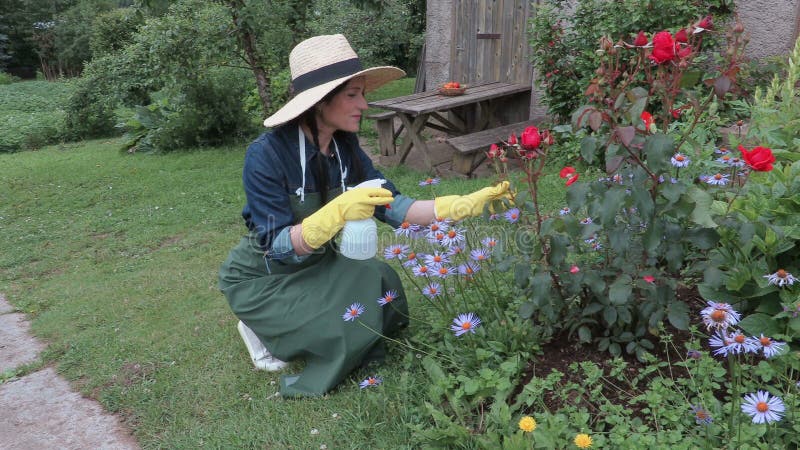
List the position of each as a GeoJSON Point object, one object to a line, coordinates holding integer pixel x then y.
{"type": "Point", "coordinates": [679, 158]}
{"type": "Point", "coordinates": [451, 234]}
{"type": "Point", "coordinates": [405, 225]}
{"type": "Point", "coordinates": [423, 269]}
{"type": "Point", "coordinates": [739, 339]}
{"type": "Point", "coordinates": [726, 158]}
{"type": "Point", "coordinates": [701, 415]}
{"type": "Point", "coordinates": [372, 381]}
{"type": "Point", "coordinates": [429, 180]}
{"type": "Point", "coordinates": [480, 257]}
{"type": "Point", "coordinates": [437, 258]}
{"type": "Point", "coordinates": [396, 251]}
{"type": "Point", "coordinates": [443, 270]}
{"type": "Point", "coordinates": [412, 255]}
{"type": "Point", "coordinates": [781, 273]}
{"type": "Point", "coordinates": [469, 270]}
{"type": "Point", "coordinates": [388, 297]}
{"type": "Point", "coordinates": [762, 407]}
{"type": "Point", "coordinates": [354, 312]}
{"type": "Point", "coordinates": [433, 290]}
{"type": "Point", "coordinates": [513, 216]}
{"type": "Point", "coordinates": [717, 177]}
{"type": "Point", "coordinates": [439, 236]}
{"type": "Point", "coordinates": [765, 341]}
{"type": "Point", "coordinates": [466, 325]}
{"type": "Point", "coordinates": [718, 315]}
{"type": "Point", "coordinates": [434, 227]}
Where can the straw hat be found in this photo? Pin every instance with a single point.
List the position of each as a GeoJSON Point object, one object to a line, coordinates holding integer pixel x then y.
{"type": "Point", "coordinates": [320, 64]}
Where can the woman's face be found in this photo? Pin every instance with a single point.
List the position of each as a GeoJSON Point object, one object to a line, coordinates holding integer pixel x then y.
{"type": "Point", "coordinates": [344, 110]}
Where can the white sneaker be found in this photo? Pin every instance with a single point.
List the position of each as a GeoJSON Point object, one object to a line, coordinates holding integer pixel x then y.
{"type": "Point", "coordinates": [261, 357]}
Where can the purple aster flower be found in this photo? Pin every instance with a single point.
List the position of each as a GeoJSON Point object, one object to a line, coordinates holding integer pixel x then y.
{"type": "Point", "coordinates": [411, 260]}
{"type": "Point", "coordinates": [721, 151]}
{"type": "Point", "coordinates": [395, 251]}
{"type": "Point", "coordinates": [680, 160]}
{"type": "Point", "coordinates": [407, 229]}
{"type": "Point", "coordinates": [739, 343]}
{"type": "Point", "coordinates": [480, 254]}
{"type": "Point", "coordinates": [444, 271]}
{"type": "Point", "coordinates": [353, 311]}
{"type": "Point", "coordinates": [719, 315]}
{"type": "Point", "coordinates": [388, 297]}
{"type": "Point", "coordinates": [429, 182]}
{"type": "Point", "coordinates": [454, 250]}
{"type": "Point", "coordinates": [724, 159]}
{"type": "Point", "coordinates": [770, 347]}
{"type": "Point", "coordinates": [701, 416]}
{"type": "Point", "coordinates": [718, 179]}
{"type": "Point", "coordinates": [512, 215]}
{"type": "Point", "coordinates": [586, 221]}
{"type": "Point", "coordinates": [422, 271]}
{"type": "Point", "coordinates": [617, 178]}
{"type": "Point", "coordinates": [453, 236]}
{"type": "Point", "coordinates": [436, 259]}
{"type": "Point", "coordinates": [694, 354]}
{"type": "Point", "coordinates": [781, 278]}
{"type": "Point", "coordinates": [469, 268]}
{"type": "Point", "coordinates": [721, 342]}
{"type": "Point", "coordinates": [432, 290]}
{"type": "Point", "coordinates": [596, 246]}
{"type": "Point", "coordinates": [763, 408]}
{"type": "Point", "coordinates": [564, 211]}
{"type": "Point", "coordinates": [371, 382]}
{"type": "Point", "coordinates": [489, 242]}
{"type": "Point", "coordinates": [465, 323]}
{"type": "Point", "coordinates": [494, 216]}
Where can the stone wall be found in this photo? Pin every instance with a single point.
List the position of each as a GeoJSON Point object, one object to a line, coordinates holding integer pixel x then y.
{"type": "Point", "coordinates": [773, 26]}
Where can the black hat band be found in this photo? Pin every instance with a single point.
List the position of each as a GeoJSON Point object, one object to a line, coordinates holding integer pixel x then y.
{"type": "Point", "coordinates": [325, 74]}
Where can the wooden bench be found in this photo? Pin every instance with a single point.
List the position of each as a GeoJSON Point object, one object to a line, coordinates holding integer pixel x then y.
{"type": "Point", "coordinates": [470, 148]}
{"type": "Point", "coordinates": [387, 135]}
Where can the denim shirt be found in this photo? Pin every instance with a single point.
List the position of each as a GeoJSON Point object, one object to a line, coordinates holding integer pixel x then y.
{"type": "Point", "coordinates": [272, 175]}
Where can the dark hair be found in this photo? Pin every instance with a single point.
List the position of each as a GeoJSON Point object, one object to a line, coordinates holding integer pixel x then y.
{"type": "Point", "coordinates": [319, 171]}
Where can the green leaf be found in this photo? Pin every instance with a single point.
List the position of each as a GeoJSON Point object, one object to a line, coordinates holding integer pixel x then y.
{"type": "Point", "coordinates": [701, 214]}
{"type": "Point", "coordinates": [541, 283]}
{"type": "Point", "coordinates": [703, 238]}
{"type": "Point", "coordinates": [756, 324]}
{"type": "Point", "coordinates": [610, 315]}
{"type": "Point", "coordinates": [615, 349]}
{"type": "Point", "coordinates": [576, 196]}
{"type": "Point", "coordinates": [643, 202]}
{"type": "Point", "coordinates": [612, 203]}
{"type": "Point", "coordinates": [595, 283]}
{"type": "Point", "coordinates": [592, 308]}
{"type": "Point", "coordinates": [672, 192]}
{"type": "Point", "coordinates": [678, 315]}
{"type": "Point", "coordinates": [589, 149]}
{"type": "Point", "coordinates": [558, 250]}
{"type": "Point", "coordinates": [526, 310]}
{"type": "Point", "coordinates": [522, 273]}
{"type": "Point", "coordinates": [658, 150]}
{"type": "Point", "coordinates": [620, 290]}
{"type": "Point", "coordinates": [584, 334]}
{"type": "Point", "coordinates": [652, 237]}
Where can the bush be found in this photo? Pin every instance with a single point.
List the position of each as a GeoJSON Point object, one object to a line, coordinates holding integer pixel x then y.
{"type": "Point", "coordinates": [564, 43]}
{"type": "Point", "coordinates": [113, 30]}
{"type": "Point", "coordinates": [6, 78]}
{"type": "Point", "coordinates": [32, 114]}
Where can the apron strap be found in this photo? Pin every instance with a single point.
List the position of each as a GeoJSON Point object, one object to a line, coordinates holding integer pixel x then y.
{"type": "Point", "coordinates": [301, 145]}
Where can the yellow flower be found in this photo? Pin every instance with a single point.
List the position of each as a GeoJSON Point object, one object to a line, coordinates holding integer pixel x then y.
{"type": "Point", "coordinates": [583, 440]}
{"type": "Point", "coordinates": [527, 424]}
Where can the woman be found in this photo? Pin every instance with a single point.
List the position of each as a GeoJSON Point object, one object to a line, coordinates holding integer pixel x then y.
{"type": "Point", "coordinates": [285, 280]}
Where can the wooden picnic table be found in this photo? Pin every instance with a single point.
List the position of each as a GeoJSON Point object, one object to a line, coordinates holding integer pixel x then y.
{"type": "Point", "coordinates": [475, 110]}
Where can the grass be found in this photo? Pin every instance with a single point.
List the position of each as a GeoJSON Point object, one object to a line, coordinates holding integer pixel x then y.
{"type": "Point", "coordinates": [398, 88]}
{"type": "Point", "coordinates": [114, 258]}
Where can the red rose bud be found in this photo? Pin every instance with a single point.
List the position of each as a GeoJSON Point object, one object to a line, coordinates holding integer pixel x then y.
{"type": "Point", "coordinates": [681, 36]}
{"type": "Point", "coordinates": [676, 113]}
{"type": "Point", "coordinates": [706, 23]}
{"type": "Point", "coordinates": [574, 269]}
{"type": "Point", "coordinates": [530, 138]}
{"type": "Point", "coordinates": [566, 172]}
{"type": "Point", "coordinates": [649, 279]}
{"type": "Point", "coordinates": [649, 122]}
{"type": "Point", "coordinates": [494, 151]}
{"type": "Point", "coordinates": [759, 159]}
{"type": "Point", "coordinates": [512, 140]}
{"type": "Point", "coordinates": [685, 52]}
{"type": "Point", "coordinates": [641, 39]}
{"type": "Point", "coordinates": [663, 47]}
{"type": "Point", "coordinates": [547, 138]}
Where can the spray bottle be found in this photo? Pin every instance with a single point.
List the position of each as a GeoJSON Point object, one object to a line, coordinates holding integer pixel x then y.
{"type": "Point", "coordinates": [360, 237]}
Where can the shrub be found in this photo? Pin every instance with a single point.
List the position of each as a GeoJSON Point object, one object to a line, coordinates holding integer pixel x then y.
{"type": "Point", "coordinates": [564, 42]}
{"type": "Point", "coordinates": [113, 30]}
{"type": "Point", "coordinates": [6, 78]}
{"type": "Point", "coordinates": [32, 114]}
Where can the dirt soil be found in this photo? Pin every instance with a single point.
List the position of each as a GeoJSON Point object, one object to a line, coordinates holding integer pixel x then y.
{"type": "Point", "coordinates": [39, 409]}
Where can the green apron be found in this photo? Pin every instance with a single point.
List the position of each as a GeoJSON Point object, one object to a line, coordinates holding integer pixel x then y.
{"type": "Point", "coordinates": [296, 310]}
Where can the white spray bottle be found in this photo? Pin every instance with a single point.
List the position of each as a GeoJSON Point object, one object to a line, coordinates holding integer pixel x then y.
{"type": "Point", "coordinates": [360, 237]}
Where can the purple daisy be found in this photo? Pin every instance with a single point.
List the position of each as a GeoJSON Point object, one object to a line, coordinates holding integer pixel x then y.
{"type": "Point", "coordinates": [396, 251]}
{"type": "Point", "coordinates": [429, 182]}
{"type": "Point", "coordinates": [512, 215]}
{"type": "Point", "coordinates": [465, 323]}
{"type": "Point", "coordinates": [370, 382]}
{"type": "Point", "coordinates": [388, 297]}
{"type": "Point", "coordinates": [407, 229]}
{"type": "Point", "coordinates": [422, 271]}
{"type": "Point", "coordinates": [353, 311]}
{"type": "Point", "coordinates": [719, 315]}
{"type": "Point", "coordinates": [480, 254]}
{"type": "Point", "coordinates": [436, 259]}
{"type": "Point", "coordinates": [432, 290]}
{"type": "Point", "coordinates": [469, 268]}
{"type": "Point", "coordinates": [763, 408]}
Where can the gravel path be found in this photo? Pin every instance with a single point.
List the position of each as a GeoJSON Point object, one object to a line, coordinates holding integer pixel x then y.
{"type": "Point", "coordinates": [40, 410]}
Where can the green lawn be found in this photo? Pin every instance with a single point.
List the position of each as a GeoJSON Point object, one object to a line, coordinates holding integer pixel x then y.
{"type": "Point", "coordinates": [114, 257]}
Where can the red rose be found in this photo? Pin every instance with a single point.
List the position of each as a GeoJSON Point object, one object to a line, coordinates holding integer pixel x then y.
{"type": "Point", "coordinates": [681, 36]}
{"type": "Point", "coordinates": [641, 39]}
{"type": "Point", "coordinates": [512, 140]}
{"type": "Point", "coordinates": [530, 138]}
{"type": "Point", "coordinates": [649, 279]}
{"type": "Point", "coordinates": [649, 122]}
{"type": "Point", "coordinates": [663, 47]}
{"type": "Point", "coordinates": [759, 159]}
{"type": "Point", "coordinates": [566, 172]}
{"type": "Point", "coordinates": [676, 113]}
{"type": "Point", "coordinates": [494, 151]}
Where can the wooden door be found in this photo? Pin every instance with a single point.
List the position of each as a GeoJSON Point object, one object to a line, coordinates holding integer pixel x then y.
{"type": "Point", "coordinates": [490, 41]}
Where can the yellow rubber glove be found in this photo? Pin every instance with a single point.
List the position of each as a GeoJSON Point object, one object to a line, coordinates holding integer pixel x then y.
{"type": "Point", "coordinates": [458, 207]}
{"type": "Point", "coordinates": [356, 204]}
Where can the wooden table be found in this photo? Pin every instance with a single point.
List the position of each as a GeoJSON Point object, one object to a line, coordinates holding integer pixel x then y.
{"type": "Point", "coordinates": [475, 110]}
